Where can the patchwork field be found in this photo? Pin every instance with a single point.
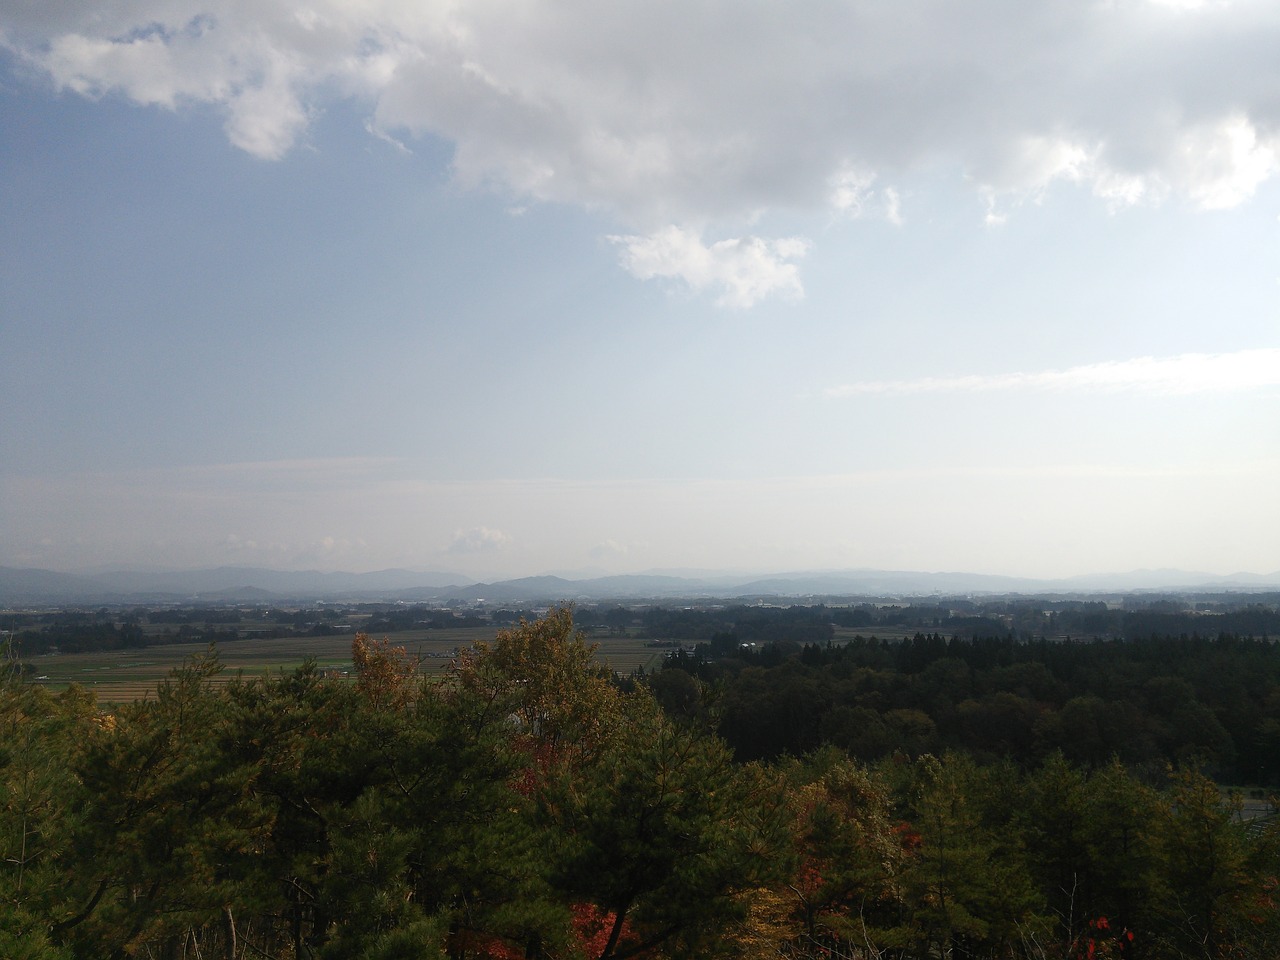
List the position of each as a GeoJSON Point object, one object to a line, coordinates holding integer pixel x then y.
{"type": "Point", "coordinates": [122, 675]}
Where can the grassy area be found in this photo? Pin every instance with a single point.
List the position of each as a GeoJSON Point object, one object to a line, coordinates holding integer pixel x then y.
{"type": "Point", "coordinates": [119, 676]}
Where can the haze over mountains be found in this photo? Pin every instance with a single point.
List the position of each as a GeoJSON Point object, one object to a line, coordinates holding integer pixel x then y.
{"type": "Point", "coordinates": [258, 584]}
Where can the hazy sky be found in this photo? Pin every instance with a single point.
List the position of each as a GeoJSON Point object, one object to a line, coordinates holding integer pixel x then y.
{"type": "Point", "coordinates": [505, 288]}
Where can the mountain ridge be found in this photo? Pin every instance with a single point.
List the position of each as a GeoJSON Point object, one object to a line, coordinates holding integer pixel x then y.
{"type": "Point", "coordinates": [253, 584]}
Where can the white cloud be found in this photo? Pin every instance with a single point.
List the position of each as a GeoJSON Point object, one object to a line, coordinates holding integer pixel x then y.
{"type": "Point", "coordinates": [852, 195]}
{"type": "Point", "coordinates": [1185, 374]}
{"type": "Point", "coordinates": [892, 206]}
{"type": "Point", "coordinates": [266, 121]}
{"type": "Point", "coordinates": [995, 217]}
{"type": "Point", "coordinates": [1223, 163]}
{"type": "Point", "coordinates": [744, 270]}
{"type": "Point", "coordinates": [478, 540]}
{"type": "Point", "coordinates": [713, 114]}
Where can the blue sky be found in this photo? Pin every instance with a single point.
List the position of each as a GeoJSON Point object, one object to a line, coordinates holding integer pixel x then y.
{"type": "Point", "coordinates": [514, 288]}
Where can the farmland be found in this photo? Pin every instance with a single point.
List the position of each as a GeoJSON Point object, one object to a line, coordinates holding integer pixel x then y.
{"type": "Point", "coordinates": [118, 676]}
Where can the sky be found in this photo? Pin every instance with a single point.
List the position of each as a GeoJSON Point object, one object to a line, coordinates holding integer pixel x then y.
{"type": "Point", "coordinates": [507, 288]}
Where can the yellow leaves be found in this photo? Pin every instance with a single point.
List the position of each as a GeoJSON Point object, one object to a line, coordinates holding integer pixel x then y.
{"type": "Point", "coordinates": [546, 675]}
{"type": "Point", "coordinates": [770, 923]}
{"type": "Point", "coordinates": [385, 674]}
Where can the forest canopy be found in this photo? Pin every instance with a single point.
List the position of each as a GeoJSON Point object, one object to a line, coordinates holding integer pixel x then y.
{"type": "Point", "coordinates": [530, 804]}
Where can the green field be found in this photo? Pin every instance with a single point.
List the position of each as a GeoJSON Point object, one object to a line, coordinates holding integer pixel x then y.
{"type": "Point", "coordinates": [879, 631]}
{"type": "Point", "coordinates": [119, 676]}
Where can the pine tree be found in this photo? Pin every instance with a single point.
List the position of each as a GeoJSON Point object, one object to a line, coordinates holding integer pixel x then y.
{"type": "Point", "coordinates": [662, 832]}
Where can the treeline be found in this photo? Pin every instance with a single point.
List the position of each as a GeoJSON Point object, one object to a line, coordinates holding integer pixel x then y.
{"type": "Point", "coordinates": [1133, 618]}
{"type": "Point", "coordinates": [421, 618]}
{"type": "Point", "coordinates": [86, 631]}
{"type": "Point", "coordinates": [1152, 701]}
{"type": "Point", "coordinates": [101, 635]}
{"type": "Point", "coordinates": [740, 625]}
{"type": "Point", "coordinates": [82, 636]}
{"type": "Point", "coordinates": [531, 806]}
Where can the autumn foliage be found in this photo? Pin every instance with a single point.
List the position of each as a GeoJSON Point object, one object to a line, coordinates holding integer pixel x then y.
{"type": "Point", "coordinates": [530, 805]}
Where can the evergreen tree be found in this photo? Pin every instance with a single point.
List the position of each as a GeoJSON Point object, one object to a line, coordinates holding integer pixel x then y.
{"type": "Point", "coordinates": [661, 832]}
{"type": "Point", "coordinates": [1215, 882]}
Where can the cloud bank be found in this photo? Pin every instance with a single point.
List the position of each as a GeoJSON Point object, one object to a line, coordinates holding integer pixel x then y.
{"type": "Point", "coordinates": [1186, 374]}
{"type": "Point", "coordinates": [714, 112]}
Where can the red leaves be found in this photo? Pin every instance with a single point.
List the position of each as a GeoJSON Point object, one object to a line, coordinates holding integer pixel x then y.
{"type": "Point", "coordinates": [525, 782]}
{"type": "Point", "coordinates": [909, 838]}
{"type": "Point", "coordinates": [592, 928]}
{"type": "Point", "coordinates": [482, 946]}
{"type": "Point", "coordinates": [1098, 942]}
{"type": "Point", "coordinates": [527, 779]}
{"type": "Point", "coordinates": [809, 880]}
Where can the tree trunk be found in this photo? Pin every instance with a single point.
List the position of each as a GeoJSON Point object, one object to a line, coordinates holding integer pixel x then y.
{"type": "Point", "coordinates": [229, 926]}
{"type": "Point", "coordinates": [618, 919]}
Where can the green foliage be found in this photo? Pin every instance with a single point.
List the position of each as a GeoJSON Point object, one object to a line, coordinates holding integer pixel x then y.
{"type": "Point", "coordinates": [544, 675]}
{"type": "Point", "coordinates": [169, 824]}
{"type": "Point", "coordinates": [660, 829]}
{"type": "Point", "coordinates": [1120, 840]}
{"type": "Point", "coordinates": [1153, 701]}
{"type": "Point", "coordinates": [40, 736]}
{"type": "Point", "coordinates": [849, 889]}
{"type": "Point", "coordinates": [1213, 879]}
{"type": "Point", "coordinates": [970, 882]}
{"type": "Point", "coordinates": [527, 806]}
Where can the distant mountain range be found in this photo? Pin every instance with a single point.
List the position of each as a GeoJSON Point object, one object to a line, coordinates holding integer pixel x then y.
{"type": "Point", "coordinates": [252, 584]}
{"type": "Point", "coordinates": [220, 583]}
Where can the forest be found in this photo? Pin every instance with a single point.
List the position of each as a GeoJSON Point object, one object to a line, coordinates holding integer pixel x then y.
{"type": "Point", "coordinates": [1214, 701]}
{"type": "Point", "coordinates": [923, 798]}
